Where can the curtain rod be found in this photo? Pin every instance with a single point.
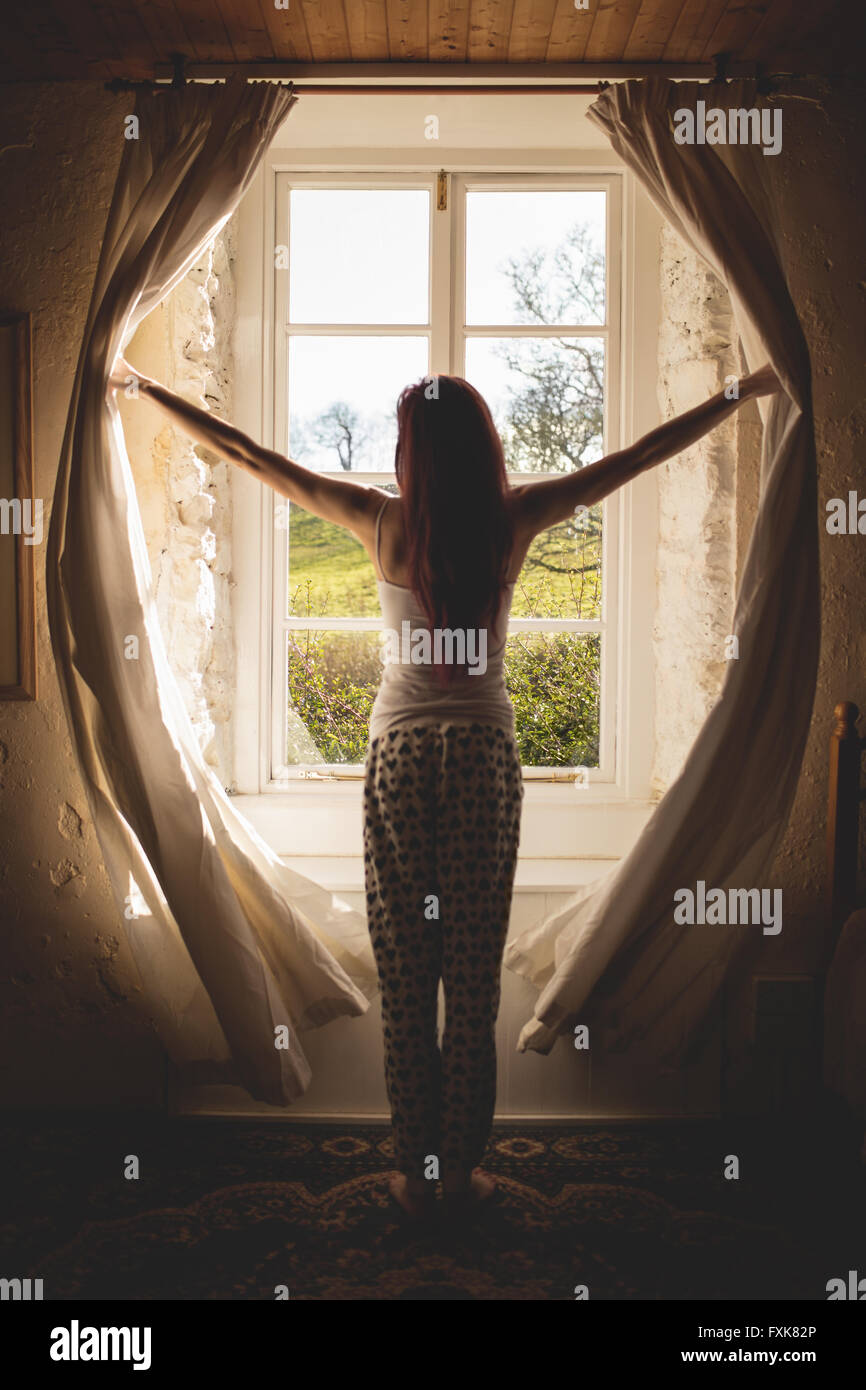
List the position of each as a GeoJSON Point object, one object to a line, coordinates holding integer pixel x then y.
{"type": "Point", "coordinates": [120, 84]}
{"type": "Point", "coordinates": [365, 79]}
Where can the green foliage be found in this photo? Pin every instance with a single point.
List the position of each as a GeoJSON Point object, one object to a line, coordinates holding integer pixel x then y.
{"type": "Point", "coordinates": [553, 681]}
{"type": "Point", "coordinates": [552, 678]}
{"type": "Point", "coordinates": [333, 679]}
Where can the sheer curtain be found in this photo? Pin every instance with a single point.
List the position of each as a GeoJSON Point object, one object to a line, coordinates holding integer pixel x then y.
{"type": "Point", "coordinates": [235, 951]}
{"type": "Point", "coordinates": [614, 952]}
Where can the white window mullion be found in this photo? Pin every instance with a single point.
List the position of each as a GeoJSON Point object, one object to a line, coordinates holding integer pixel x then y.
{"type": "Point", "coordinates": [536, 330]}
{"type": "Point", "coordinates": [610, 755]}
{"type": "Point", "coordinates": [357, 330]}
{"type": "Point", "coordinates": [278, 538]}
{"type": "Point", "coordinates": [440, 282]}
{"type": "Point", "coordinates": [457, 198]}
{"type": "Point", "coordinates": [326, 624]}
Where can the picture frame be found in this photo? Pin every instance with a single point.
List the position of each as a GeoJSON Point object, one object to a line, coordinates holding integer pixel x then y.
{"type": "Point", "coordinates": [18, 512]}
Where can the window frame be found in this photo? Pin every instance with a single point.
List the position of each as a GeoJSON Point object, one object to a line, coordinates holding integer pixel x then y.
{"type": "Point", "coordinates": [316, 824]}
{"type": "Point", "coordinates": [447, 334]}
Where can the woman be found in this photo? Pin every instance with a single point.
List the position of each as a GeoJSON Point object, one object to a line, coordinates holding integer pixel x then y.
{"type": "Point", "coordinates": [443, 786]}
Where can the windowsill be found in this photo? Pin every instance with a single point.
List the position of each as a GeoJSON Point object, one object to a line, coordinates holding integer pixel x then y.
{"type": "Point", "coordinates": [345, 874]}
{"type": "Point", "coordinates": [566, 825]}
{"type": "Point", "coordinates": [303, 791]}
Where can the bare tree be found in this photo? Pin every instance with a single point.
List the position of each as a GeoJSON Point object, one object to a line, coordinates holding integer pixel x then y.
{"type": "Point", "coordinates": [340, 428]}
{"type": "Point", "coordinates": [554, 414]}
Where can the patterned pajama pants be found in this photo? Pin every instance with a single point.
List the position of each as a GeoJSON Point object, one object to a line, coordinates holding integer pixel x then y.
{"type": "Point", "coordinates": [441, 828]}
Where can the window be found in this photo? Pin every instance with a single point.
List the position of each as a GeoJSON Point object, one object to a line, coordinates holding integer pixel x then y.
{"type": "Point", "coordinates": [515, 285]}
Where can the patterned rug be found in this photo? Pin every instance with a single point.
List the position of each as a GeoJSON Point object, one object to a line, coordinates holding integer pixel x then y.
{"type": "Point", "coordinates": [233, 1209]}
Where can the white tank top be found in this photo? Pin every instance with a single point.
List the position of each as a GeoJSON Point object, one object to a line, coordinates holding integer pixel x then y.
{"type": "Point", "coordinates": [410, 692]}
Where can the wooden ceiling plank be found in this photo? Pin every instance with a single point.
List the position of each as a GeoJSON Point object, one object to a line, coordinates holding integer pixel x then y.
{"type": "Point", "coordinates": [84, 34]}
{"type": "Point", "coordinates": [79, 46]}
{"type": "Point", "coordinates": [489, 25]}
{"type": "Point", "coordinates": [367, 27]}
{"type": "Point", "coordinates": [207, 33]}
{"type": "Point", "coordinates": [130, 36]}
{"type": "Point", "coordinates": [653, 26]}
{"type": "Point", "coordinates": [249, 38]}
{"type": "Point", "coordinates": [287, 30]}
{"type": "Point", "coordinates": [569, 33]}
{"type": "Point", "coordinates": [52, 43]}
{"type": "Point", "coordinates": [611, 27]}
{"type": "Point", "coordinates": [698, 19]}
{"type": "Point", "coordinates": [407, 30]}
{"type": "Point", "coordinates": [449, 31]}
{"type": "Point", "coordinates": [531, 22]}
{"type": "Point", "coordinates": [60, 39]}
{"type": "Point", "coordinates": [734, 28]}
{"type": "Point", "coordinates": [326, 30]}
{"type": "Point", "coordinates": [167, 33]}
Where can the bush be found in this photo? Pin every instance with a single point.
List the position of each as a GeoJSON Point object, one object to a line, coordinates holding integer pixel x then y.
{"type": "Point", "coordinates": [552, 678]}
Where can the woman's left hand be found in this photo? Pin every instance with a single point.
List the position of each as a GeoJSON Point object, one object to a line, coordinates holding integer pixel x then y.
{"type": "Point", "coordinates": [763, 382]}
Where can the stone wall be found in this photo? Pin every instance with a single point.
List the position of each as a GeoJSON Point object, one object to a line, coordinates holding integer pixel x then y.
{"type": "Point", "coordinates": [185, 491]}
{"type": "Point", "coordinates": [697, 544]}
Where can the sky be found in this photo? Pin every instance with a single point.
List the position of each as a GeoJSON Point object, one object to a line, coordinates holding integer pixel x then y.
{"type": "Point", "coordinates": [362, 256]}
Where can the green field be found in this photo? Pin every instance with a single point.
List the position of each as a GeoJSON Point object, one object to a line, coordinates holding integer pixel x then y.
{"type": "Point", "coordinates": [331, 575]}
{"type": "Point", "coordinates": [552, 678]}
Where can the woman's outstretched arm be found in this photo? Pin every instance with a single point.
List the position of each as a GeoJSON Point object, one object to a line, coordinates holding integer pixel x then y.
{"type": "Point", "coordinates": [341, 500]}
{"type": "Point", "coordinates": [552, 500]}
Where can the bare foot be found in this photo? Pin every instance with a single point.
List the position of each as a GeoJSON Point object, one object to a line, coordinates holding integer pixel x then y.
{"type": "Point", "coordinates": [479, 1188]}
{"type": "Point", "coordinates": [416, 1201]}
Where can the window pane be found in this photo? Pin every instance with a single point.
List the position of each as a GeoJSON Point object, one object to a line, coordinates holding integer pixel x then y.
{"type": "Point", "coordinates": [561, 575]}
{"type": "Point", "coordinates": [343, 399]}
{"type": "Point", "coordinates": [359, 255]}
{"type": "Point", "coordinates": [554, 680]}
{"type": "Point", "coordinates": [330, 572]}
{"type": "Point", "coordinates": [535, 257]}
{"type": "Point", "coordinates": [333, 679]}
{"type": "Point", "coordinates": [547, 398]}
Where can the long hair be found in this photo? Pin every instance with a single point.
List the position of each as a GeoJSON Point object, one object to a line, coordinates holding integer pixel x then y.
{"type": "Point", "coordinates": [450, 467]}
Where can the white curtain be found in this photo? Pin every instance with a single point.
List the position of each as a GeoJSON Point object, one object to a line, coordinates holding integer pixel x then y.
{"type": "Point", "coordinates": [235, 951]}
{"type": "Point", "coordinates": [614, 953]}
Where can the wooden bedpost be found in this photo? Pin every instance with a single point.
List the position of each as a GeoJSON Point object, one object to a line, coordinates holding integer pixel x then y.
{"type": "Point", "coordinates": [843, 817]}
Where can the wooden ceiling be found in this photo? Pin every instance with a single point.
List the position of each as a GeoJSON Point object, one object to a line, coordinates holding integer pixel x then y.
{"type": "Point", "coordinates": [67, 39]}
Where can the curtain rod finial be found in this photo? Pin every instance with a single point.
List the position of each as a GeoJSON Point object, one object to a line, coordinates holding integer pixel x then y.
{"type": "Point", "coordinates": [721, 62]}
{"type": "Point", "coordinates": [178, 63]}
